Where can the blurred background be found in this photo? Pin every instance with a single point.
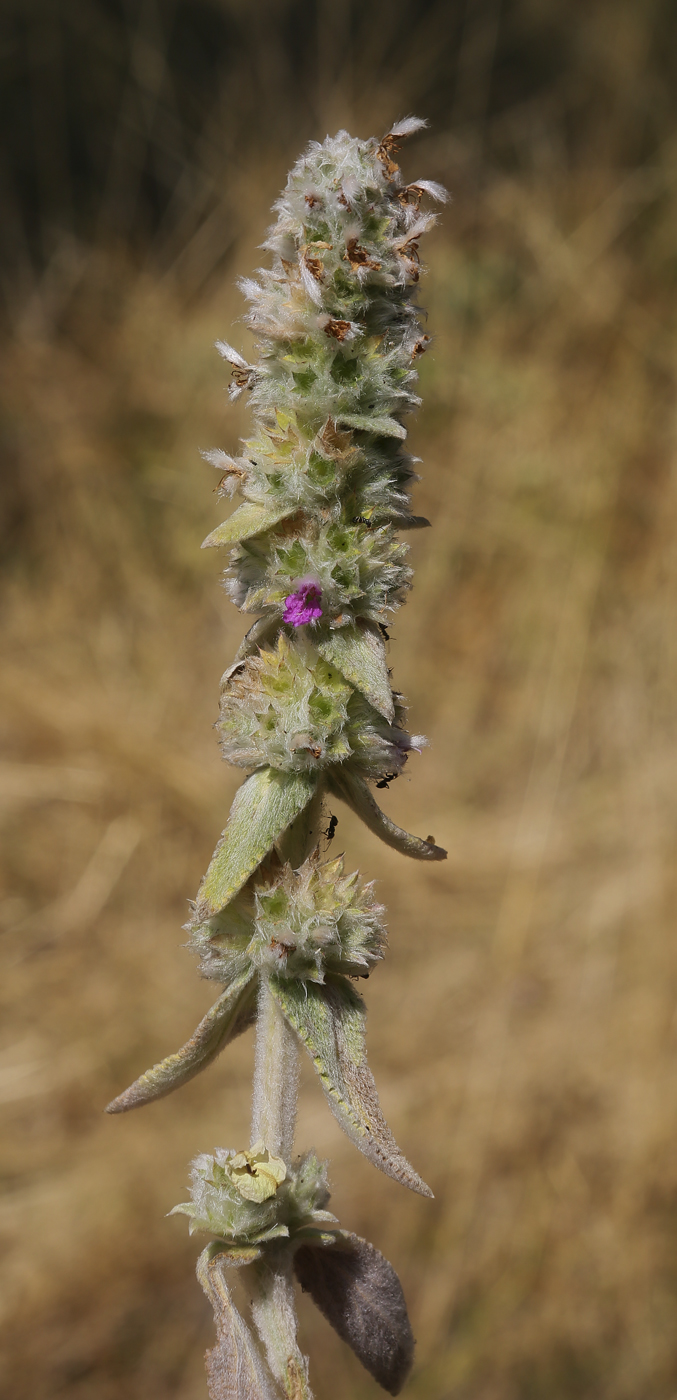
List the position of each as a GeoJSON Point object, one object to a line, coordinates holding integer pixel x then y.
{"type": "Point", "coordinates": [523, 1030]}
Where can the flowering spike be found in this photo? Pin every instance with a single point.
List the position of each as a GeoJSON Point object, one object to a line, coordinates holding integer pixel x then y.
{"type": "Point", "coordinates": [307, 709]}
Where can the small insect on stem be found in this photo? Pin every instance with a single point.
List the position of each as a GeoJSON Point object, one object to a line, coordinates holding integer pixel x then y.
{"type": "Point", "coordinates": [387, 779]}
{"type": "Point", "coordinates": [330, 831]}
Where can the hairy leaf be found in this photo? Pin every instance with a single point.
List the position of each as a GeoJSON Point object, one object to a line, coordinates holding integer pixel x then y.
{"type": "Point", "coordinates": [330, 1022]}
{"type": "Point", "coordinates": [353, 790]}
{"type": "Point", "coordinates": [228, 1017]}
{"type": "Point", "coordinates": [247, 520]}
{"type": "Point", "coordinates": [264, 807]}
{"type": "Point", "coordinates": [235, 1369]}
{"type": "Point", "coordinates": [361, 1296]}
{"type": "Point", "coordinates": [385, 427]}
{"type": "Point", "coordinates": [359, 654]}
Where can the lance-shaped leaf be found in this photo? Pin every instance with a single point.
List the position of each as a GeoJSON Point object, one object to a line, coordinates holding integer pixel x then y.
{"type": "Point", "coordinates": [249, 519]}
{"type": "Point", "coordinates": [330, 1022]}
{"type": "Point", "coordinates": [361, 1296]}
{"type": "Point", "coordinates": [235, 1368]}
{"type": "Point", "coordinates": [228, 1017]}
{"type": "Point", "coordinates": [384, 427]}
{"type": "Point", "coordinates": [359, 654]}
{"type": "Point", "coordinates": [264, 807]}
{"type": "Point", "coordinates": [353, 790]}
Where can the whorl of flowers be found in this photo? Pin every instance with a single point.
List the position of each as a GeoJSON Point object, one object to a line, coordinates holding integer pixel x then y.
{"type": "Point", "coordinates": [252, 1197]}
{"type": "Point", "coordinates": [290, 708]}
{"type": "Point", "coordinates": [305, 924]}
{"type": "Point", "coordinates": [308, 710]}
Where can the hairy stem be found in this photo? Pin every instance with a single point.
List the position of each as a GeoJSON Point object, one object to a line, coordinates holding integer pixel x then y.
{"type": "Point", "coordinates": [274, 1312]}
{"type": "Point", "coordinates": [276, 1075]}
{"type": "Point", "coordinates": [276, 1062]}
{"type": "Point", "coordinates": [275, 1078]}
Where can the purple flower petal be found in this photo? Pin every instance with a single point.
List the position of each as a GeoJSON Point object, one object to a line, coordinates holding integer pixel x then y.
{"type": "Point", "coordinates": [304, 605]}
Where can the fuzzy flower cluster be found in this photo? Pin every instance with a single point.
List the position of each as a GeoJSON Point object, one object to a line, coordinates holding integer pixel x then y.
{"type": "Point", "coordinates": [333, 470]}
{"type": "Point", "coordinates": [253, 1197]}
{"type": "Point", "coordinates": [289, 708]}
{"type": "Point", "coordinates": [357, 570]}
{"type": "Point", "coordinates": [307, 923]}
{"type": "Point", "coordinates": [339, 337]}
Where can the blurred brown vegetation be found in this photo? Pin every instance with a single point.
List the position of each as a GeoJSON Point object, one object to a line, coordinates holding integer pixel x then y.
{"type": "Point", "coordinates": [523, 1029]}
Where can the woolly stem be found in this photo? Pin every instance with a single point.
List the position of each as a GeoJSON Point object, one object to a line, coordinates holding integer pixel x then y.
{"type": "Point", "coordinates": [276, 1070]}
{"type": "Point", "coordinates": [275, 1078]}
{"type": "Point", "coordinates": [276, 1073]}
{"type": "Point", "coordinates": [274, 1313]}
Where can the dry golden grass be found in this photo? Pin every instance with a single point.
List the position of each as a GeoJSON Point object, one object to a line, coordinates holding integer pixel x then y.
{"type": "Point", "coordinates": [522, 1030]}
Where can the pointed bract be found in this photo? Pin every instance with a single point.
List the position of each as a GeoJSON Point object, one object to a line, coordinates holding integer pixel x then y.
{"type": "Point", "coordinates": [330, 1022]}
{"type": "Point", "coordinates": [264, 807]}
{"type": "Point", "coordinates": [233, 1013]}
{"type": "Point", "coordinates": [353, 790]}
{"type": "Point", "coordinates": [359, 653]}
{"type": "Point", "coordinates": [247, 521]}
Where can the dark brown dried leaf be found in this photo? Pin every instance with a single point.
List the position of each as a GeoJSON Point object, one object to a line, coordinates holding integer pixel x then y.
{"type": "Point", "coordinates": [360, 1294]}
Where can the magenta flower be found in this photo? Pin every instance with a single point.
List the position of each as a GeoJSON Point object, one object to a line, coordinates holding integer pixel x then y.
{"type": "Point", "coordinates": [303, 605]}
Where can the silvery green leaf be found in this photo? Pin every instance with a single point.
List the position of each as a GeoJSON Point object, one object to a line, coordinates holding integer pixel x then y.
{"type": "Point", "coordinates": [360, 1294]}
{"type": "Point", "coordinates": [235, 1368]}
{"type": "Point", "coordinates": [228, 1017]}
{"type": "Point", "coordinates": [353, 789]}
{"type": "Point", "coordinates": [384, 427]}
{"type": "Point", "coordinates": [359, 654]}
{"type": "Point", "coordinates": [330, 1021]}
{"type": "Point", "coordinates": [264, 807]}
{"type": "Point", "coordinates": [246, 521]}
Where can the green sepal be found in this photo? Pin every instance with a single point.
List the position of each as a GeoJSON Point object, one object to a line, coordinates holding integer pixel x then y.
{"type": "Point", "coordinates": [353, 790]}
{"type": "Point", "coordinates": [264, 807]}
{"type": "Point", "coordinates": [380, 427]}
{"type": "Point", "coordinates": [330, 1021]}
{"type": "Point", "coordinates": [359, 654]}
{"type": "Point", "coordinates": [232, 1013]}
{"type": "Point", "coordinates": [248, 520]}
